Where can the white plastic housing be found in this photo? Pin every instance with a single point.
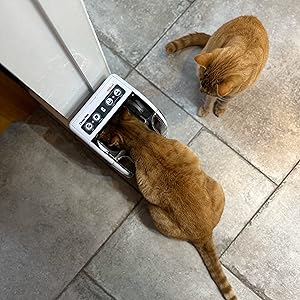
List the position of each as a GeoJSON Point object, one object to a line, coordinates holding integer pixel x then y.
{"type": "Point", "coordinates": [87, 112]}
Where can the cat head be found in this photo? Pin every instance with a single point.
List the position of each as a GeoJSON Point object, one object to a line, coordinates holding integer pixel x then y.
{"type": "Point", "coordinates": [217, 73]}
{"type": "Point", "coordinates": [113, 135]}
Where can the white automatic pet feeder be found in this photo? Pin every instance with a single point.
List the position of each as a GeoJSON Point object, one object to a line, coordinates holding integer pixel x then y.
{"type": "Point", "coordinates": [100, 108]}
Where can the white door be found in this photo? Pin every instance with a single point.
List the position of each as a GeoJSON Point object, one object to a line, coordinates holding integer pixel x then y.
{"type": "Point", "coordinates": [51, 46]}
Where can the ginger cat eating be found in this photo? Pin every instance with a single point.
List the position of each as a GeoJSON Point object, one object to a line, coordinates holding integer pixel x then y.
{"type": "Point", "coordinates": [184, 202]}
{"type": "Point", "coordinates": [230, 62]}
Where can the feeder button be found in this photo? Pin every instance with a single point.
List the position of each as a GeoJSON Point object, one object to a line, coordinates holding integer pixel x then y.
{"type": "Point", "coordinates": [96, 117]}
{"type": "Point", "coordinates": [117, 92]}
{"type": "Point", "coordinates": [88, 126]}
{"type": "Point", "coordinates": [109, 101]}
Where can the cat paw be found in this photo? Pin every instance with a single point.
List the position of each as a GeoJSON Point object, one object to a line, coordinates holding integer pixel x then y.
{"type": "Point", "coordinates": [218, 111]}
{"type": "Point", "coordinates": [202, 112]}
{"type": "Point", "coordinates": [170, 48]}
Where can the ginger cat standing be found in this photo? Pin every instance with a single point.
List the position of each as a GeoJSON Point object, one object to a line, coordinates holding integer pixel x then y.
{"type": "Point", "coordinates": [184, 202]}
{"type": "Point", "coordinates": [230, 62]}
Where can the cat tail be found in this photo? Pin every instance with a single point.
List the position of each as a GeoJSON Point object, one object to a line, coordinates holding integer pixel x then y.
{"type": "Point", "coordinates": [211, 260]}
{"type": "Point", "coordinates": [192, 39]}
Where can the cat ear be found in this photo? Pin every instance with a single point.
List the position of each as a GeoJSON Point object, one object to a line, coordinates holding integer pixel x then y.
{"type": "Point", "coordinates": [125, 114]}
{"type": "Point", "coordinates": [203, 60]}
{"type": "Point", "coordinates": [115, 141]}
{"type": "Point", "coordinates": [226, 86]}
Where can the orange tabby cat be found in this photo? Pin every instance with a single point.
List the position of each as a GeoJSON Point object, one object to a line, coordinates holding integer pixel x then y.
{"type": "Point", "coordinates": [184, 202]}
{"type": "Point", "coordinates": [230, 62]}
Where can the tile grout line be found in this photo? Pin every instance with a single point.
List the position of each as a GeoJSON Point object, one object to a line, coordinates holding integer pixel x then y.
{"type": "Point", "coordinates": [135, 65]}
{"type": "Point", "coordinates": [260, 209]}
{"type": "Point", "coordinates": [95, 282]}
{"type": "Point", "coordinates": [114, 52]}
{"type": "Point", "coordinates": [99, 249]}
{"type": "Point", "coordinates": [239, 154]}
{"type": "Point", "coordinates": [164, 32]}
{"type": "Point", "coordinates": [207, 129]}
{"type": "Point", "coordinates": [195, 136]}
{"type": "Point", "coordinates": [129, 73]}
{"type": "Point", "coordinates": [243, 283]}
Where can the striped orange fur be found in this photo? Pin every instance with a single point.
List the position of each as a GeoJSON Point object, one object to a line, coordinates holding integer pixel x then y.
{"type": "Point", "coordinates": [211, 260]}
{"type": "Point", "coordinates": [193, 39]}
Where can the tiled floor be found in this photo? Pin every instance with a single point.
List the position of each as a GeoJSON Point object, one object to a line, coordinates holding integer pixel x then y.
{"type": "Point", "coordinates": [71, 228]}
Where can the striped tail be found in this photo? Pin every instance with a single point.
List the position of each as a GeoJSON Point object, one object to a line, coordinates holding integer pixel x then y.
{"type": "Point", "coordinates": [193, 39]}
{"type": "Point", "coordinates": [214, 267]}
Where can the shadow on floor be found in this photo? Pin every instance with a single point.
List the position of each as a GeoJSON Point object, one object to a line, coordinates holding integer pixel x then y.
{"type": "Point", "coordinates": [72, 148]}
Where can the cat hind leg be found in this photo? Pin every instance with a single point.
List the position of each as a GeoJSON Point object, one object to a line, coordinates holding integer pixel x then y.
{"type": "Point", "coordinates": [220, 107]}
{"type": "Point", "coordinates": [165, 224]}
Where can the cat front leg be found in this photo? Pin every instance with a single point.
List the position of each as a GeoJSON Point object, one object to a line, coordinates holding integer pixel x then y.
{"type": "Point", "coordinates": [220, 106]}
{"type": "Point", "coordinates": [206, 108]}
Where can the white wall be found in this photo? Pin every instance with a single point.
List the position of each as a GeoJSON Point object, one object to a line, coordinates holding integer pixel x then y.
{"type": "Point", "coordinates": [31, 51]}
